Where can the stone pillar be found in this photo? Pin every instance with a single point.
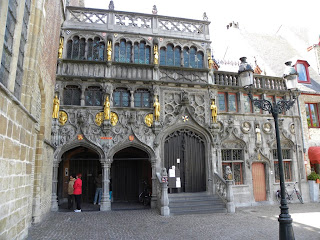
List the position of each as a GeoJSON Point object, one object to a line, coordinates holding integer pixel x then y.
{"type": "Point", "coordinates": [132, 99]}
{"type": "Point", "coordinates": [54, 198]}
{"type": "Point", "coordinates": [165, 210]}
{"type": "Point", "coordinates": [230, 198]}
{"type": "Point", "coordinates": [82, 98]}
{"type": "Point", "coordinates": [154, 184]}
{"type": "Point", "coordinates": [105, 200]}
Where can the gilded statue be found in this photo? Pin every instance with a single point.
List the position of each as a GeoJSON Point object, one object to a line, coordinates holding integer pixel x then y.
{"type": "Point", "coordinates": [156, 54]}
{"type": "Point", "coordinates": [156, 106]}
{"type": "Point", "coordinates": [149, 119]}
{"type": "Point", "coordinates": [60, 51]}
{"type": "Point", "coordinates": [56, 105]}
{"type": "Point", "coordinates": [210, 62]}
{"type": "Point", "coordinates": [109, 51]}
{"type": "Point", "coordinates": [107, 109]}
{"type": "Point", "coordinates": [63, 117]}
{"type": "Point", "coordinates": [214, 111]}
{"type": "Point", "coordinates": [99, 118]}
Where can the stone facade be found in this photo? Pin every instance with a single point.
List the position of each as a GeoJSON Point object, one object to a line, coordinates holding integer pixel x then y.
{"type": "Point", "coordinates": [185, 96]}
{"type": "Point", "coordinates": [25, 149]}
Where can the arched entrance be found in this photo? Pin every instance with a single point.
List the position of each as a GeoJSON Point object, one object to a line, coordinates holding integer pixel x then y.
{"type": "Point", "coordinates": [78, 160]}
{"type": "Point", "coordinates": [189, 148]}
{"type": "Point", "coordinates": [130, 168]}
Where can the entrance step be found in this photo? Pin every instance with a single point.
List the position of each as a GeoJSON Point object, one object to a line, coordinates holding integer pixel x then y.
{"type": "Point", "coordinates": [195, 203]}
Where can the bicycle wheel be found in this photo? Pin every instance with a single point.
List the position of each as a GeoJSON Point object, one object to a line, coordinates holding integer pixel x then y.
{"type": "Point", "coordinates": [299, 196]}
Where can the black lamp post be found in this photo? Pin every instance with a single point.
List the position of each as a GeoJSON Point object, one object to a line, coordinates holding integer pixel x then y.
{"type": "Point", "coordinates": [246, 79]}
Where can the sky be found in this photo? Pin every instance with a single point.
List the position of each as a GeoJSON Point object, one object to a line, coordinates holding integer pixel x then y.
{"type": "Point", "coordinates": [251, 14]}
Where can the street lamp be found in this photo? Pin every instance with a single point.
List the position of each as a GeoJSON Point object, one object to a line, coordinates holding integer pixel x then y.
{"type": "Point", "coordinates": [290, 75]}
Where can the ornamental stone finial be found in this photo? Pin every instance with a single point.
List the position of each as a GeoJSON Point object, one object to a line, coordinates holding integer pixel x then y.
{"type": "Point", "coordinates": [111, 5]}
{"type": "Point", "coordinates": [154, 10]}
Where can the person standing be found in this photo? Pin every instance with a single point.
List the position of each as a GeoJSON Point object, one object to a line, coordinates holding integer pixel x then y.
{"type": "Point", "coordinates": [77, 191]}
{"type": "Point", "coordinates": [98, 194]}
{"type": "Point", "coordinates": [70, 191]}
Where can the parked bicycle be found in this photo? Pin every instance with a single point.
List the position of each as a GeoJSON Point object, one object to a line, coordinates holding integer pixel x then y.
{"type": "Point", "coordinates": [289, 197]}
{"type": "Point", "coordinates": [145, 195]}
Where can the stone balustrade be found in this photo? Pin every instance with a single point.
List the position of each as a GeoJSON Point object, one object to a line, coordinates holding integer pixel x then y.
{"type": "Point", "coordinates": [99, 19]}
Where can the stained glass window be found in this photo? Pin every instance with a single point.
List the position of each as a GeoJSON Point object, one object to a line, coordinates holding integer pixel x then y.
{"type": "Point", "coordinates": [71, 95]}
{"type": "Point", "coordinates": [232, 102]}
{"type": "Point", "coordinates": [142, 98]}
{"type": "Point", "coordinates": [312, 115]}
{"type": "Point", "coordinates": [222, 102]}
{"type": "Point", "coordinates": [170, 55]}
{"type": "Point", "coordinates": [69, 49]}
{"type": "Point", "coordinates": [82, 48]}
{"type": "Point", "coordinates": [93, 96]}
{"type": "Point", "coordinates": [193, 57]}
{"type": "Point", "coordinates": [199, 60]}
{"type": "Point", "coordinates": [136, 53]}
{"type": "Point", "coordinates": [121, 98]}
{"type": "Point", "coordinates": [247, 104]}
{"type": "Point", "coordinates": [162, 56]}
{"type": "Point", "coordinates": [75, 47]}
{"type": "Point", "coordinates": [177, 57]}
{"type": "Point", "coordinates": [186, 57]}
{"type": "Point", "coordinates": [123, 51]}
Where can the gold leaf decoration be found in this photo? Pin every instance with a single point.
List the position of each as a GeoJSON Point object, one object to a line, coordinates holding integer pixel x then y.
{"type": "Point", "coordinates": [63, 117]}
{"type": "Point", "coordinates": [99, 118]}
{"type": "Point", "coordinates": [149, 120]}
{"type": "Point", "coordinates": [114, 119]}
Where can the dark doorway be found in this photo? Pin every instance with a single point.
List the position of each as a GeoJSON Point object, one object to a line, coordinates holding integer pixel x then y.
{"type": "Point", "coordinates": [130, 167]}
{"type": "Point", "coordinates": [189, 148]}
{"type": "Point", "coordinates": [79, 160]}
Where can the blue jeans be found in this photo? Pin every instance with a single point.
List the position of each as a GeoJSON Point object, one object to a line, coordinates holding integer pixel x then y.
{"type": "Point", "coordinates": [98, 193]}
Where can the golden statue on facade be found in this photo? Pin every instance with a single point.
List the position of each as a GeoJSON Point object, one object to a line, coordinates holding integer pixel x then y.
{"type": "Point", "coordinates": [214, 111]}
{"type": "Point", "coordinates": [114, 119]}
{"type": "Point", "coordinates": [107, 109]}
{"type": "Point", "coordinates": [109, 51]}
{"type": "Point", "coordinates": [210, 62]}
{"type": "Point", "coordinates": [56, 105]}
{"type": "Point", "coordinates": [60, 51]}
{"type": "Point", "coordinates": [156, 54]}
{"type": "Point", "coordinates": [156, 106]}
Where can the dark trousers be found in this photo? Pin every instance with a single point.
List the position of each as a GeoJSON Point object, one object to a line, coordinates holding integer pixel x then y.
{"type": "Point", "coordinates": [70, 201]}
{"type": "Point", "coordinates": [78, 201]}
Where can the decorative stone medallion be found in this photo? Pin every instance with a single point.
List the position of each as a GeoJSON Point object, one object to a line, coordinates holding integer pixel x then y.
{"type": "Point", "coordinates": [245, 127]}
{"type": "Point", "coordinates": [114, 118]}
{"type": "Point", "coordinates": [292, 128]}
{"type": "Point", "coordinates": [267, 127]}
{"type": "Point", "coordinates": [99, 118]}
{"type": "Point", "coordinates": [148, 119]}
{"type": "Point", "coordinates": [63, 117]}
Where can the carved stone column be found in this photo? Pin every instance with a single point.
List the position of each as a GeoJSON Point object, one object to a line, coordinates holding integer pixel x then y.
{"type": "Point", "coordinates": [82, 98]}
{"type": "Point", "coordinates": [54, 198]}
{"type": "Point", "coordinates": [154, 184]}
{"type": "Point", "coordinates": [131, 99]}
{"type": "Point", "coordinates": [105, 200]}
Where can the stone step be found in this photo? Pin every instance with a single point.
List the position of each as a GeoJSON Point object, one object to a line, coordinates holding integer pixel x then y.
{"type": "Point", "coordinates": [195, 203]}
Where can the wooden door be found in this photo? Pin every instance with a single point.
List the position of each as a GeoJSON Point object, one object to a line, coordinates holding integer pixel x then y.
{"type": "Point", "coordinates": [259, 182]}
{"type": "Point", "coordinates": [189, 147]}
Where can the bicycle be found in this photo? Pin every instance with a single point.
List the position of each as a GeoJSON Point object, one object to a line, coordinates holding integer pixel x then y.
{"type": "Point", "coordinates": [145, 195]}
{"type": "Point", "coordinates": [289, 197]}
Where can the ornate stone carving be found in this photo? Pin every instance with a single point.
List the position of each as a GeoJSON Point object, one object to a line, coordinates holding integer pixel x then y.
{"type": "Point", "coordinates": [63, 117]}
{"type": "Point", "coordinates": [114, 119]}
{"type": "Point", "coordinates": [99, 118]}
{"type": "Point", "coordinates": [148, 119]}
{"type": "Point", "coordinates": [245, 127]}
{"type": "Point", "coordinates": [267, 128]}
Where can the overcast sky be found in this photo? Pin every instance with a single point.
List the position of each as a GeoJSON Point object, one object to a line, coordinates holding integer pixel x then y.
{"type": "Point", "coordinates": [251, 14]}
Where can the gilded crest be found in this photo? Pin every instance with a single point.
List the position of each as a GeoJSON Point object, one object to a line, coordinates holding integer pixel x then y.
{"type": "Point", "coordinates": [149, 119]}
{"type": "Point", "coordinates": [114, 119]}
{"type": "Point", "coordinates": [99, 118]}
{"type": "Point", "coordinates": [63, 117]}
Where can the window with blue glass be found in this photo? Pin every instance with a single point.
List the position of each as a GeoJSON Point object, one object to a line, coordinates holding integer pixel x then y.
{"type": "Point", "coordinates": [71, 95]}
{"type": "Point", "coordinates": [163, 56]}
{"type": "Point", "coordinates": [122, 51]}
{"type": "Point", "coordinates": [93, 96]}
{"type": "Point", "coordinates": [170, 56]}
{"type": "Point", "coordinates": [186, 58]}
{"type": "Point", "coordinates": [177, 56]}
{"type": "Point", "coordinates": [121, 97]}
{"type": "Point", "coordinates": [142, 98]}
{"type": "Point", "coordinates": [227, 102]}
{"type": "Point", "coordinates": [141, 53]}
{"type": "Point", "coordinates": [192, 58]}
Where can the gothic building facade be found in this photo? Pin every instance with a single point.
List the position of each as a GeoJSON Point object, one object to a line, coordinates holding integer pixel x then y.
{"type": "Point", "coordinates": [139, 93]}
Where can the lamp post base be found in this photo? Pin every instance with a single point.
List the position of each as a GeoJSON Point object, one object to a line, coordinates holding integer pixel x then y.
{"type": "Point", "coordinates": [285, 227]}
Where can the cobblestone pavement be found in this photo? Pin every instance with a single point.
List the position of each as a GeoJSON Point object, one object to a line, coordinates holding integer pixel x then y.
{"type": "Point", "coordinates": [256, 223]}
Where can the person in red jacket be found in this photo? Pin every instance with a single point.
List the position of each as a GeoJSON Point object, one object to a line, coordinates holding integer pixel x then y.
{"type": "Point", "coordinates": [77, 191]}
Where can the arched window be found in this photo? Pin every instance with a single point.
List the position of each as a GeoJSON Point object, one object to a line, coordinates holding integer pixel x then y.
{"type": "Point", "coordinates": [122, 51]}
{"type": "Point", "coordinates": [170, 56]}
{"type": "Point", "coordinates": [234, 158]}
{"type": "Point", "coordinates": [192, 58]}
{"type": "Point", "coordinates": [121, 97]}
{"type": "Point", "coordinates": [142, 98]}
{"type": "Point", "coordinates": [303, 71]}
{"type": "Point", "coordinates": [93, 96]}
{"type": "Point", "coordinates": [141, 53]}
{"type": "Point", "coordinates": [95, 49]}
{"type": "Point", "coordinates": [75, 47]}
{"type": "Point", "coordinates": [71, 95]}
{"type": "Point", "coordinates": [69, 49]}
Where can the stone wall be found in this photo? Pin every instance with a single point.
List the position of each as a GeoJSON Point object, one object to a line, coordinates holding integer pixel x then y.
{"type": "Point", "coordinates": [25, 129]}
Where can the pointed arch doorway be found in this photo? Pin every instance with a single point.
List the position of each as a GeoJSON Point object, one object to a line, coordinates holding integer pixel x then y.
{"type": "Point", "coordinates": [130, 168]}
{"type": "Point", "coordinates": [79, 160]}
{"type": "Point", "coordinates": [189, 148]}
